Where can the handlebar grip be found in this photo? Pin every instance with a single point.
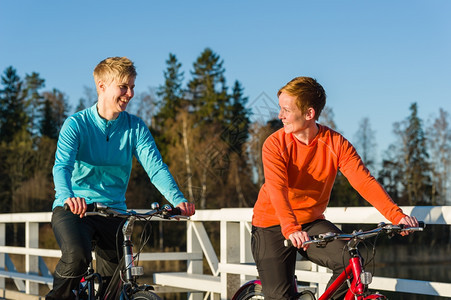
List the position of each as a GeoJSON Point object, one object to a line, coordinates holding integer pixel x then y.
{"type": "Point", "coordinates": [176, 211]}
{"type": "Point", "coordinates": [287, 243]}
{"type": "Point", "coordinates": [90, 207]}
{"type": "Point", "coordinates": [421, 224]}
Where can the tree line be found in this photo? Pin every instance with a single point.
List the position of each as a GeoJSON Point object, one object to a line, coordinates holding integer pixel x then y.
{"type": "Point", "coordinates": [204, 131]}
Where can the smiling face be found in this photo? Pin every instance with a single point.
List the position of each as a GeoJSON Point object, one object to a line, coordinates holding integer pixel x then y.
{"type": "Point", "coordinates": [291, 116]}
{"type": "Point", "coordinates": [115, 83]}
{"type": "Point", "coordinates": [114, 96]}
{"type": "Point", "coordinates": [294, 120]}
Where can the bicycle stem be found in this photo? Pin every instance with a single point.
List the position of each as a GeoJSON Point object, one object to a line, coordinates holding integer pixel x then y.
{"type": "Point", "coordinates": [127, 230]}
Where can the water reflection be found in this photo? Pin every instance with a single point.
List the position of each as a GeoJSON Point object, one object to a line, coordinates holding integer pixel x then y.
{"type": "Point", "coordinates": [423, 271]}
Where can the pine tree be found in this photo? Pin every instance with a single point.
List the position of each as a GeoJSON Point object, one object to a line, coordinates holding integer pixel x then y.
{"type": "Point", "coordinates": [237, 132]}
{"type": "Point", "coordinates": [15, 140]}
{"type": "Point", "coordinates": [413, 159]}
{"type": "Point", "coordinates": [235, 136]}
{"type": "Point", "coordinates": [13, 118]}
{"type": "Point", "coordinates": [170, 104]}
{"type": "Point", "coordinates": [54, 112]}
{"type": "Point", "coordinates": [439, 144]}
{"type": "Point", "coordinates": [391, 174]}
{"type": "Point", "coordinates": [171, 92]}
{"type": "Point", "coordinates": [33, 100]}
{"type": "Point", "coordinates": [208, 88]}
{"type": "Point", "coordinates": [48, 125]}
{"type": "Point", "coordinates": [208, 106]}
{"type": "Point", "coordinates": [365, 143]}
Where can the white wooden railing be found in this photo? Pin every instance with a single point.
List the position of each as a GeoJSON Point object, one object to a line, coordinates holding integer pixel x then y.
{"type": "Point", "coordinates": [235, 265]}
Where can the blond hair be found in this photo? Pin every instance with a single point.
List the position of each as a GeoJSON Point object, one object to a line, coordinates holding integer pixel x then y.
{"type": "Point", "coordinates": [308, 93]}
{"type": "Point", "coordinates": [111, 68]}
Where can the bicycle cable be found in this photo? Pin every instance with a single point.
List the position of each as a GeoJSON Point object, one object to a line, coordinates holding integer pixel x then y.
{"type": "Point", "coordinates": [373, 254]}
{"type": "Point", "coordinates": [146, 233]}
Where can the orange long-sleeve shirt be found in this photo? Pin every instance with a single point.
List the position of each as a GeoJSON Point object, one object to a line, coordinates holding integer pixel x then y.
{"type": "Point", "coordinates": [299, 180]}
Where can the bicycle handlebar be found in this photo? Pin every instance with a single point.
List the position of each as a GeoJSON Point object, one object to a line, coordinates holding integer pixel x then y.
{"type": "Point", "coordinates": [100, 209]}
{"type": "Point", "coordinates": [357, 236]}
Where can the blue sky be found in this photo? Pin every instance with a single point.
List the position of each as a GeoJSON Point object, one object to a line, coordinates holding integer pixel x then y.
{"type": "Point", "coordinates": [374, 58]}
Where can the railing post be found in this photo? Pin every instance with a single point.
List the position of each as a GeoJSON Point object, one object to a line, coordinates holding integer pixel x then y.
{"type": "Point", "coordinates": [321, 286]}
{"type": "Point", "coordinates": [2, 255]}
{"type": "Point", "coordinates": [194, 267]}
{"type": "Point", "coordinates": [245, 246]}
{"type": "Point", "coordinates": [31, 261]}
{"type": "Point", "coordinates": [230, 253]}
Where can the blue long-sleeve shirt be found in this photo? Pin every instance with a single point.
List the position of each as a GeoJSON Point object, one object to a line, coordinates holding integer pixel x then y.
{"type": "Point", "coordinates": [93, 159]}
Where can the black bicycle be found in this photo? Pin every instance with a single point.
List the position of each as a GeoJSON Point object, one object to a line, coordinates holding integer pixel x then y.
{"type": "Point", "coordinates": [123, 285]}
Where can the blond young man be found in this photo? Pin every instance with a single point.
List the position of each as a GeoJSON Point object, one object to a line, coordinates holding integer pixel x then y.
{"type": "Point", "coordinates": [301, 161]}
{"type": "Point", "coordinates": [93, 162]}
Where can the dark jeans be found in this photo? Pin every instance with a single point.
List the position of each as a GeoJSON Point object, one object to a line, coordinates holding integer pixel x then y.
{"type": "Point", "coordinates": [276, 263]}
{"type": "Point", "coordinates": [75, 237]}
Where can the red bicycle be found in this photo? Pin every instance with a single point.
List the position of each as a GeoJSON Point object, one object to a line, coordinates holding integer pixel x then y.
{"type": "Point", "coordinates": [354, 272]}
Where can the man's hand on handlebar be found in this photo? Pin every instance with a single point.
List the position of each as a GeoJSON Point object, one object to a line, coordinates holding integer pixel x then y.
{"type": "Point", "coordinates": [409, 222]}
{"type": "Point", "coordinates": [187, 208]}
{"type": "Point", "coordinates": [77, 205]}
{"type": "Point", "coordinates": [299, 237]}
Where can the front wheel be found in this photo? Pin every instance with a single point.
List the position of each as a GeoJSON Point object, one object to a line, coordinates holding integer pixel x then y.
{"type": "Point", "coordinates": [252, 291]}
{"type": "Point", "coordinates": [145, 295]}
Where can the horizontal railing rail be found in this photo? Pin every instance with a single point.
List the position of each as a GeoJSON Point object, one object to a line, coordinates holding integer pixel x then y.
{"type": "Point", "coordinates": [225, 274]}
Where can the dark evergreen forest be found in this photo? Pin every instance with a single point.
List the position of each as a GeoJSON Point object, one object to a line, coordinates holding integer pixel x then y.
{"type": "Point", "coordinates": [203, 130]}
